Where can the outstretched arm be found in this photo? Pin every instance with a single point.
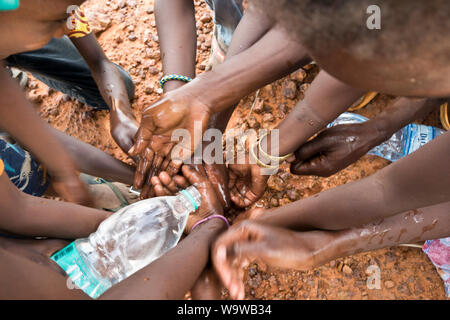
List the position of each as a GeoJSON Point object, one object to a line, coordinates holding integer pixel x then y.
{"type": "Point", "coordinates": [123, 124]}
{"type": "Point", "coordinates": [18, 118]}
{"type": "Point", "coordinates": [339, 146]}
{"type": "Point", "coordinates": [171, 276]}
{"type": "Point", "coordinates": [22, 214]}
{"type": "Point", "coordinates": [390, 191]}
{"type": "Point", "coordinates": [279, 247]}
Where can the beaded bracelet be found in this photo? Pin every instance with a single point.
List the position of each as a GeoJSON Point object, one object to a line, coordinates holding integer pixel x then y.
{"type": "Point", "coordinates": [170, 77]}
{"type": "Point", "coordinates": [209, 218]}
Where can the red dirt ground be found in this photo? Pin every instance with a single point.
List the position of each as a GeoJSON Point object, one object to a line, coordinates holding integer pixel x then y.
{"type": "Point", "coordinates": [126, 31]}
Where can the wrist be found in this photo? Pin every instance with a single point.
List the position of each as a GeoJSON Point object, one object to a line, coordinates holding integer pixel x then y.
{"type": "Point", "coordinates": [217, 99]}
{"type": "Point", "coordinates": [331, 245]}
{"type": "Point", "coordinates": [381, 128]}
{"type": "Point", "coordinates": [214, 224]}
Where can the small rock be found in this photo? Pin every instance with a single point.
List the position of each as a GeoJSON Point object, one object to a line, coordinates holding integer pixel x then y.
{"type": "Point", "coordinates": [274, 202]}
{"type": "Point", "coordinates": [389, 284]}
{"type": "Point", "coordinates": [299, 75]}
{"type": "Point", "coordinates": [304, 87]}
{"type": "Point", "coordinates": [131, 3]}
{"type": "Point", "coordinates": [149, 89]}
{"type": "Point", "coordinates": [132, 36]}
{"type": "Point", "coordinates": [293, 195]}
{"type": "Point", "coordinates": [205, 18]}
{"type": "Point", "coordinates": [35, 96]}
{"type": "Point", "coordinates": [290, 90]}
{"type": "Point", "coordinates": [118, 39]}
{"type": "Point", "coordinates": [268, 117]}
{"type": "Point", "coordinates": [153, 70]}
{"type": "Point", "coordinates": [202, 66]}
{"type": "Point", "coordinates": [275, 183]}
{"type": "Point", "coordinates": [252, 122]}
{"type": "Point", "coordinates": [150, 10]}
{"type": "Point", "coordinates": [347, 270]}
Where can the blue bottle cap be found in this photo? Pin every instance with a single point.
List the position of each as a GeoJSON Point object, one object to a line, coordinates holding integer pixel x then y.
{"type": "Point", "coordinates": [6, 5]}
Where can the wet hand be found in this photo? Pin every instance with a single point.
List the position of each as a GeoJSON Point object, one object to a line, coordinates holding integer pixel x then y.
{"type": "Point", "coordinates": [192, 175]}
{"type": "Point", "coordinates": [154, 138]}
{"type": "Point", "coordinates": [246, 183]}
{"type": "Point", "coordinates": [334, 149]}
{"type": "Point", "coordinates": [251, 241]}
{"type": "Point", "coordinates": [68, 185]}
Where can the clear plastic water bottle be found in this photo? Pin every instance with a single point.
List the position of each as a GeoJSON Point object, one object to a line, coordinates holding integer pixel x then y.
{"type": "Point", "coordinates": [127, 241]}
{"type": "Point", "coordinates": [403, 142]}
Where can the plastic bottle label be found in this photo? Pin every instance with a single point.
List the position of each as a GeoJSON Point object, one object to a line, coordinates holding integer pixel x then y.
{"type": "Point", "coordinates": [71, 262]}
{"type": "Point", "coordinates": [417, 136]}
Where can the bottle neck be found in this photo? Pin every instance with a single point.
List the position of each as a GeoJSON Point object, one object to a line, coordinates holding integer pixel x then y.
{"type": "Point", "coordinates": [190, 198]}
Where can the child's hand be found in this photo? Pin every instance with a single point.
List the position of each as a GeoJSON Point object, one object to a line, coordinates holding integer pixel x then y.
{"type": "Point", "coordinates": [246, 184]}
{"type": "Point", "coordinates": [192, 175]}
{"type": "Point", "coordinates": [334, 149]}
{"type": "Point", "coordinates": [68, 185]}
{"type": "Point", "coordinates": [123, 124]}
{"type": "Point", "coordinates": [276, 247]}
{"type": "Point", "coordinates": [159, 121]}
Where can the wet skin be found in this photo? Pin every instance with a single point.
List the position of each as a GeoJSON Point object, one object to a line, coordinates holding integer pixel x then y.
{"type": "Point", "coordinates": [337, 147]}
{"type": "Point", "coordinates": [163, 279]}
{"type": "Point", "coordinates": [261, 61]}
{"type": "Point", "coordinates": [278, 247]}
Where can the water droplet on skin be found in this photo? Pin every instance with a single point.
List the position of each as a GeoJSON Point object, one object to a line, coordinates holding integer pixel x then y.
{"type": "Point", "coordinates": [311, 122]}
{"type": "Point", "coordinates": [350, 139]}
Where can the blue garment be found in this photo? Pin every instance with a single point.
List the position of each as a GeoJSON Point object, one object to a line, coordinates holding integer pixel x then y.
{"type": "Point", "coordinates": [227, 14]}
{"type": "Point", "coordinates": [60, 66]}
{"type": "Point", "coordinates": [22, 169]}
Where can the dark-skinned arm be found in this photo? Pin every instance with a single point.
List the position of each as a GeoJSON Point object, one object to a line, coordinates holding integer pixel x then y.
{"type": "Point", "coordinates": [262, 63]}
{"type": "Point", "coordinates": [419, 180]}
{"type": "Point", "coordinates": [339, 146]}
{"type": "Point", "coordinates": [18, 118]}
{"type": "Point", "coordinates": [279, 247]}
{"type": "Point", "coordinates": [164, 279]}
{"type": "Point", "coordinates": [123, 124]}
{"type": "Point", "coordinates": [22, 214]}
{"type": "Point", "coordinates": [175, 22]}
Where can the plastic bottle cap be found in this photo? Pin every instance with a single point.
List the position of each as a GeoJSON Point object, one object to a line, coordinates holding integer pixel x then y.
{"type": "Point", "coordinates": [6, 5]}
{"type": "Point", "coordinates": [191, 198]}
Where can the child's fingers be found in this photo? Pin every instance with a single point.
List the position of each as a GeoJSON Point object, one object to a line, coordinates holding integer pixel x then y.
{"type": "Point", "coordinates": [143, 168]}
{"type": "Point", "coordinates": [142, 140]}
{"type": "Point", "coordinates": [192, 175]}
{"type": "Point", "coordinates": [309, 150]}
{"type": "Point", "coordinates": [168, 182]}
{"type": "Point", "coordinates": [157, 161]}
{"type": "Point", "coordinates": [159, 189]}
{"type": "Point", "coordinates": [181, 182]}
{"type": "Point", "coordinates": [173, 167]}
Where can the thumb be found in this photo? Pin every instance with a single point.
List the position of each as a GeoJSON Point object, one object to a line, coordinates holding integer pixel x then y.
{"type": "Point", "coordinates": [309, 149]}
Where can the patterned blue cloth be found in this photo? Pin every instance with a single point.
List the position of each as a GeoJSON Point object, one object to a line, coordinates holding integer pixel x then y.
{"type": "Point", "coordinates": [23, 171]}
{"type": "Point", "coordinates": [438, 251]}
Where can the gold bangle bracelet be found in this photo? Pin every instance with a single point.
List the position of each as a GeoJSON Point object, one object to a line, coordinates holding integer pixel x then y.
{"type": "Point", "coordinates": [259, 162]}
{"type": "Point", "coordinates": [274, 158]}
